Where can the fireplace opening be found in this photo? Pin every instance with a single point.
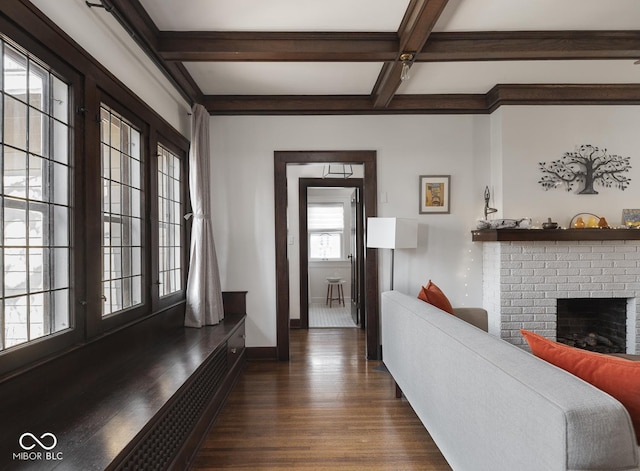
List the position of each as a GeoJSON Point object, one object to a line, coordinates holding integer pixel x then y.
{"type": "Point", "coordinates": [595, 324]}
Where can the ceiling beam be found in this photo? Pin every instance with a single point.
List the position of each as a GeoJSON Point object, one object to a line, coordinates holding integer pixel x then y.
{"type": "Point", "coordinates": [416, 26]}
{"type": "Point", "coordinates": [596, 94]}
{"type": "Point", "coordinates": [530, 45]}
{"type": "Point", "coordinates": [565, 94]}
{"type": "Point", "coordinates": [384, 47]}
{"type": "Point", "coordinates": [278, 46]}
{"type": "Point", "coordinates": [169, 49]}
{"type": "Point", "coordinates": [340, 104]}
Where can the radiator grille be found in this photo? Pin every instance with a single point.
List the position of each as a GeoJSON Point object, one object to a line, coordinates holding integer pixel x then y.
{"type": "Point", "coordinates": [159, 447]}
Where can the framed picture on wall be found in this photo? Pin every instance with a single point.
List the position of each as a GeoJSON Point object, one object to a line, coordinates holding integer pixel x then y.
{"type": "Point", "coordinates": [435, 194]}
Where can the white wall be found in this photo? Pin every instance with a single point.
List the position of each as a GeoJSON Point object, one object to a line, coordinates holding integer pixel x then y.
{"type": "Point", "coordinates": [98, 32]}
{"type": "Point", "coordinates": [531, 134]}
{"type": "Point", "coordinates": [407, 146]}
{"type": "Point", "coordinates": [501, 150]}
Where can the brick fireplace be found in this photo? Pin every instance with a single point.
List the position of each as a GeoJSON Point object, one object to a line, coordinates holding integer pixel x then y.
{"type": "Point", "coordinates": [524, 279]}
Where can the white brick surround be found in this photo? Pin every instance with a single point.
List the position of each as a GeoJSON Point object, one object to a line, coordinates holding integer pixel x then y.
{"type": "Point", "coordinates": [523, 280]}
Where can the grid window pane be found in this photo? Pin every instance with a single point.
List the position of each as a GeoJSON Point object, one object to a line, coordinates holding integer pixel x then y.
{"type": "Point", "coordinates": [122, 213]}
{"type": "Point", "coordinates": [14, 172]}
{"type": "Point", "coordinates": [325, 246]}
{"type": "Point", "coordinates": [325, 222]}
{"type": "Point", "coordinates": [169, 222]}
{"type": "Point", "coordinates": [35, 203]}
{"type": "Point", "coordinates": [15, 122]}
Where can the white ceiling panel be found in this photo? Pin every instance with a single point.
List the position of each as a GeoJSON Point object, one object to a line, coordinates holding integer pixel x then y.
{"type": "Point", "coordinates": [480, 77]}
{"type": "Point", "coordinates": [538, 15]}
{"type": "Point", "coordinates": [284, 78]}
{"type": "Point", "coordinates": [276, 15]}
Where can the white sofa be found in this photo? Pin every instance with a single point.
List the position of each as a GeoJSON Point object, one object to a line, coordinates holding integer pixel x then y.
{"type": "Point", "coordinates": [492, 406]}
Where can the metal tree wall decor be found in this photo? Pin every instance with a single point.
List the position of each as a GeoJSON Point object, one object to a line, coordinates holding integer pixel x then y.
{"type": "Point", "coordinates": [587, 165]}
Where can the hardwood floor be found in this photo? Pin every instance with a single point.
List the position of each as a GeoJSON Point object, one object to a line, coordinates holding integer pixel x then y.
{"type": "Point", "coordinates": [327, 409]}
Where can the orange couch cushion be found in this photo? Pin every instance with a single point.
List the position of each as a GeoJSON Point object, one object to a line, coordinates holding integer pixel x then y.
{"type": "Point", "coordinates": [617, 377]}
{"type": "Point", "coordinates": [433, 295]}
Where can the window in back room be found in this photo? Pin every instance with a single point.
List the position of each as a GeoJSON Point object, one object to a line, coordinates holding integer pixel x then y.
{"type": "Point", "coordinates": [326, 231]}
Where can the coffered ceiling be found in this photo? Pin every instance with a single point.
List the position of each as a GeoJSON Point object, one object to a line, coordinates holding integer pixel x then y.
{"type": "Point", "coordinates": [344, 56]}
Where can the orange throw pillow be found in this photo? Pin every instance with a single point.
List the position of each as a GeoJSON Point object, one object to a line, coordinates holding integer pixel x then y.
{"type": "Point", "coordinates": [617, 377]}
{"type": "Point", "coordinates": [433, 295]}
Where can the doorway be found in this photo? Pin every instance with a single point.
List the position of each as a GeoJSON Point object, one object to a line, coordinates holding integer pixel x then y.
{"type": "Point", "coordinates": [369, 198]}
{"type": "Point", "coordinates": [350, 267]}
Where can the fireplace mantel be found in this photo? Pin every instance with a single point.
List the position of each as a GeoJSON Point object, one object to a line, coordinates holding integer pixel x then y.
{"type": "Point", "coordinates": [500, 235]}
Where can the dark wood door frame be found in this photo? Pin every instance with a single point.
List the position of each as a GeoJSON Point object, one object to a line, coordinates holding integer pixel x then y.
{"type": "Point", "coordinates": [281, 160]}
{"type": "Point", "coordinates": [303, 185]}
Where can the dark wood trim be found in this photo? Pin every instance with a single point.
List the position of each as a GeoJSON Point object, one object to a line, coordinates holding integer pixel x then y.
{"type": "Point", "coordinates": [372, 47]}
{"type": "Point", "coordinates": [303, 185]}
{"type": "Point", "coordinates": [234, 302]}
{"type": "Point", "coordinates": [342, 104]}
{"type": "Point", "coordinates": [500, 235]}
{"type": "Point", "coordinates": [138, 24]}
{"type": "Point", "coordinates": [282, 262]}
{"type": "Point", "coordinates": [167, 49]}
{"type": "Point", "coordinates": [277, 46]}
{"type": "Point", "coordinates": [281, 159]}
{"type": "Point", "coordinates": [567, 94]}
{"type": "Point", "coordinates": [505, 94]}
{"type": "Point", "coordinates": [530, 45]}
{"type": "Point", "coordinates": [295, 323]}
{"type": "Point", "coordinates": [417, 24]}
{"type": "Point", "coordinates": [303, 250]}
{"type": "Point", "coordinates": [262, 353]}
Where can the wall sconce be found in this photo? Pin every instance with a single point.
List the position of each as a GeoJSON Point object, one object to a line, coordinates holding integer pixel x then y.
{"type": "Point", "coordinates": [407, 60]}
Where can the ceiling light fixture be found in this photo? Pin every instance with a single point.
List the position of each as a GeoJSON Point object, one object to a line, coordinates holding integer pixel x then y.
{"type": "Point", "coordinates": [337, 171]}
{"type": "Point", "coordinates": [407, 60]}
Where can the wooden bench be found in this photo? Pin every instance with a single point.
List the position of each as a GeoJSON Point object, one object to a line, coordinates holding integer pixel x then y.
{"type": "Point", "coordinates": [139, 399]}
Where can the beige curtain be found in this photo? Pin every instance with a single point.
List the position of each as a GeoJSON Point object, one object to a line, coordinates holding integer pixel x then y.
{"type": "Point", "coordinates": [204, 295]}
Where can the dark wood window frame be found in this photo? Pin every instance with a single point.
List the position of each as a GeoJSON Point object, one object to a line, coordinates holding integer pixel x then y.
{"type": "Point", "coordinates": [185, 233]}
{"type": "Point", "coordinates": [90, 84]}
{"type": "Point", "coordinates": [96, 322]}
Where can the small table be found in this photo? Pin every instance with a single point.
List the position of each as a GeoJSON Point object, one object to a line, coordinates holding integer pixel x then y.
{"type": "Point", "coordinates": [339, 293]}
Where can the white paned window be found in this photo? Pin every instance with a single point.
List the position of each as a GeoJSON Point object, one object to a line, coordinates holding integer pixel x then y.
{"type": "Point", "coordinates": [325, 225]}
{"type": "Point", "coordinates": [169, 219]}
{"type": "Point", "coordinates": [122, 214]}
{"type": "Point", "coordinates": [34, 200]}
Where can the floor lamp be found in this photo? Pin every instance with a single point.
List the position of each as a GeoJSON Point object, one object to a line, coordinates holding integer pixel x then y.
{"type": "Point", "coordinates": [392, 233]}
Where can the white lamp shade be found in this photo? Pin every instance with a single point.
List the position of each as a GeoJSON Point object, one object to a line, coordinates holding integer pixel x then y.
{"type": "Point", "coordinates": [392, 233]}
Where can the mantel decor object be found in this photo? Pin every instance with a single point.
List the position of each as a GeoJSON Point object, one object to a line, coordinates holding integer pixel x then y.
{"type": "Point", "coordinates": [593, 222]}
{"type": "Point", "coordinates": [487, 197]}
{"type": "Point", "coordinates": [631, 218]}
{"type": "Point", "coordinates": [586, 166]}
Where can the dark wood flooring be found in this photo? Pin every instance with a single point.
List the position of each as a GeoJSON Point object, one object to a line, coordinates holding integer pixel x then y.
{"type": "Point", "coordinates": [328, 408]}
